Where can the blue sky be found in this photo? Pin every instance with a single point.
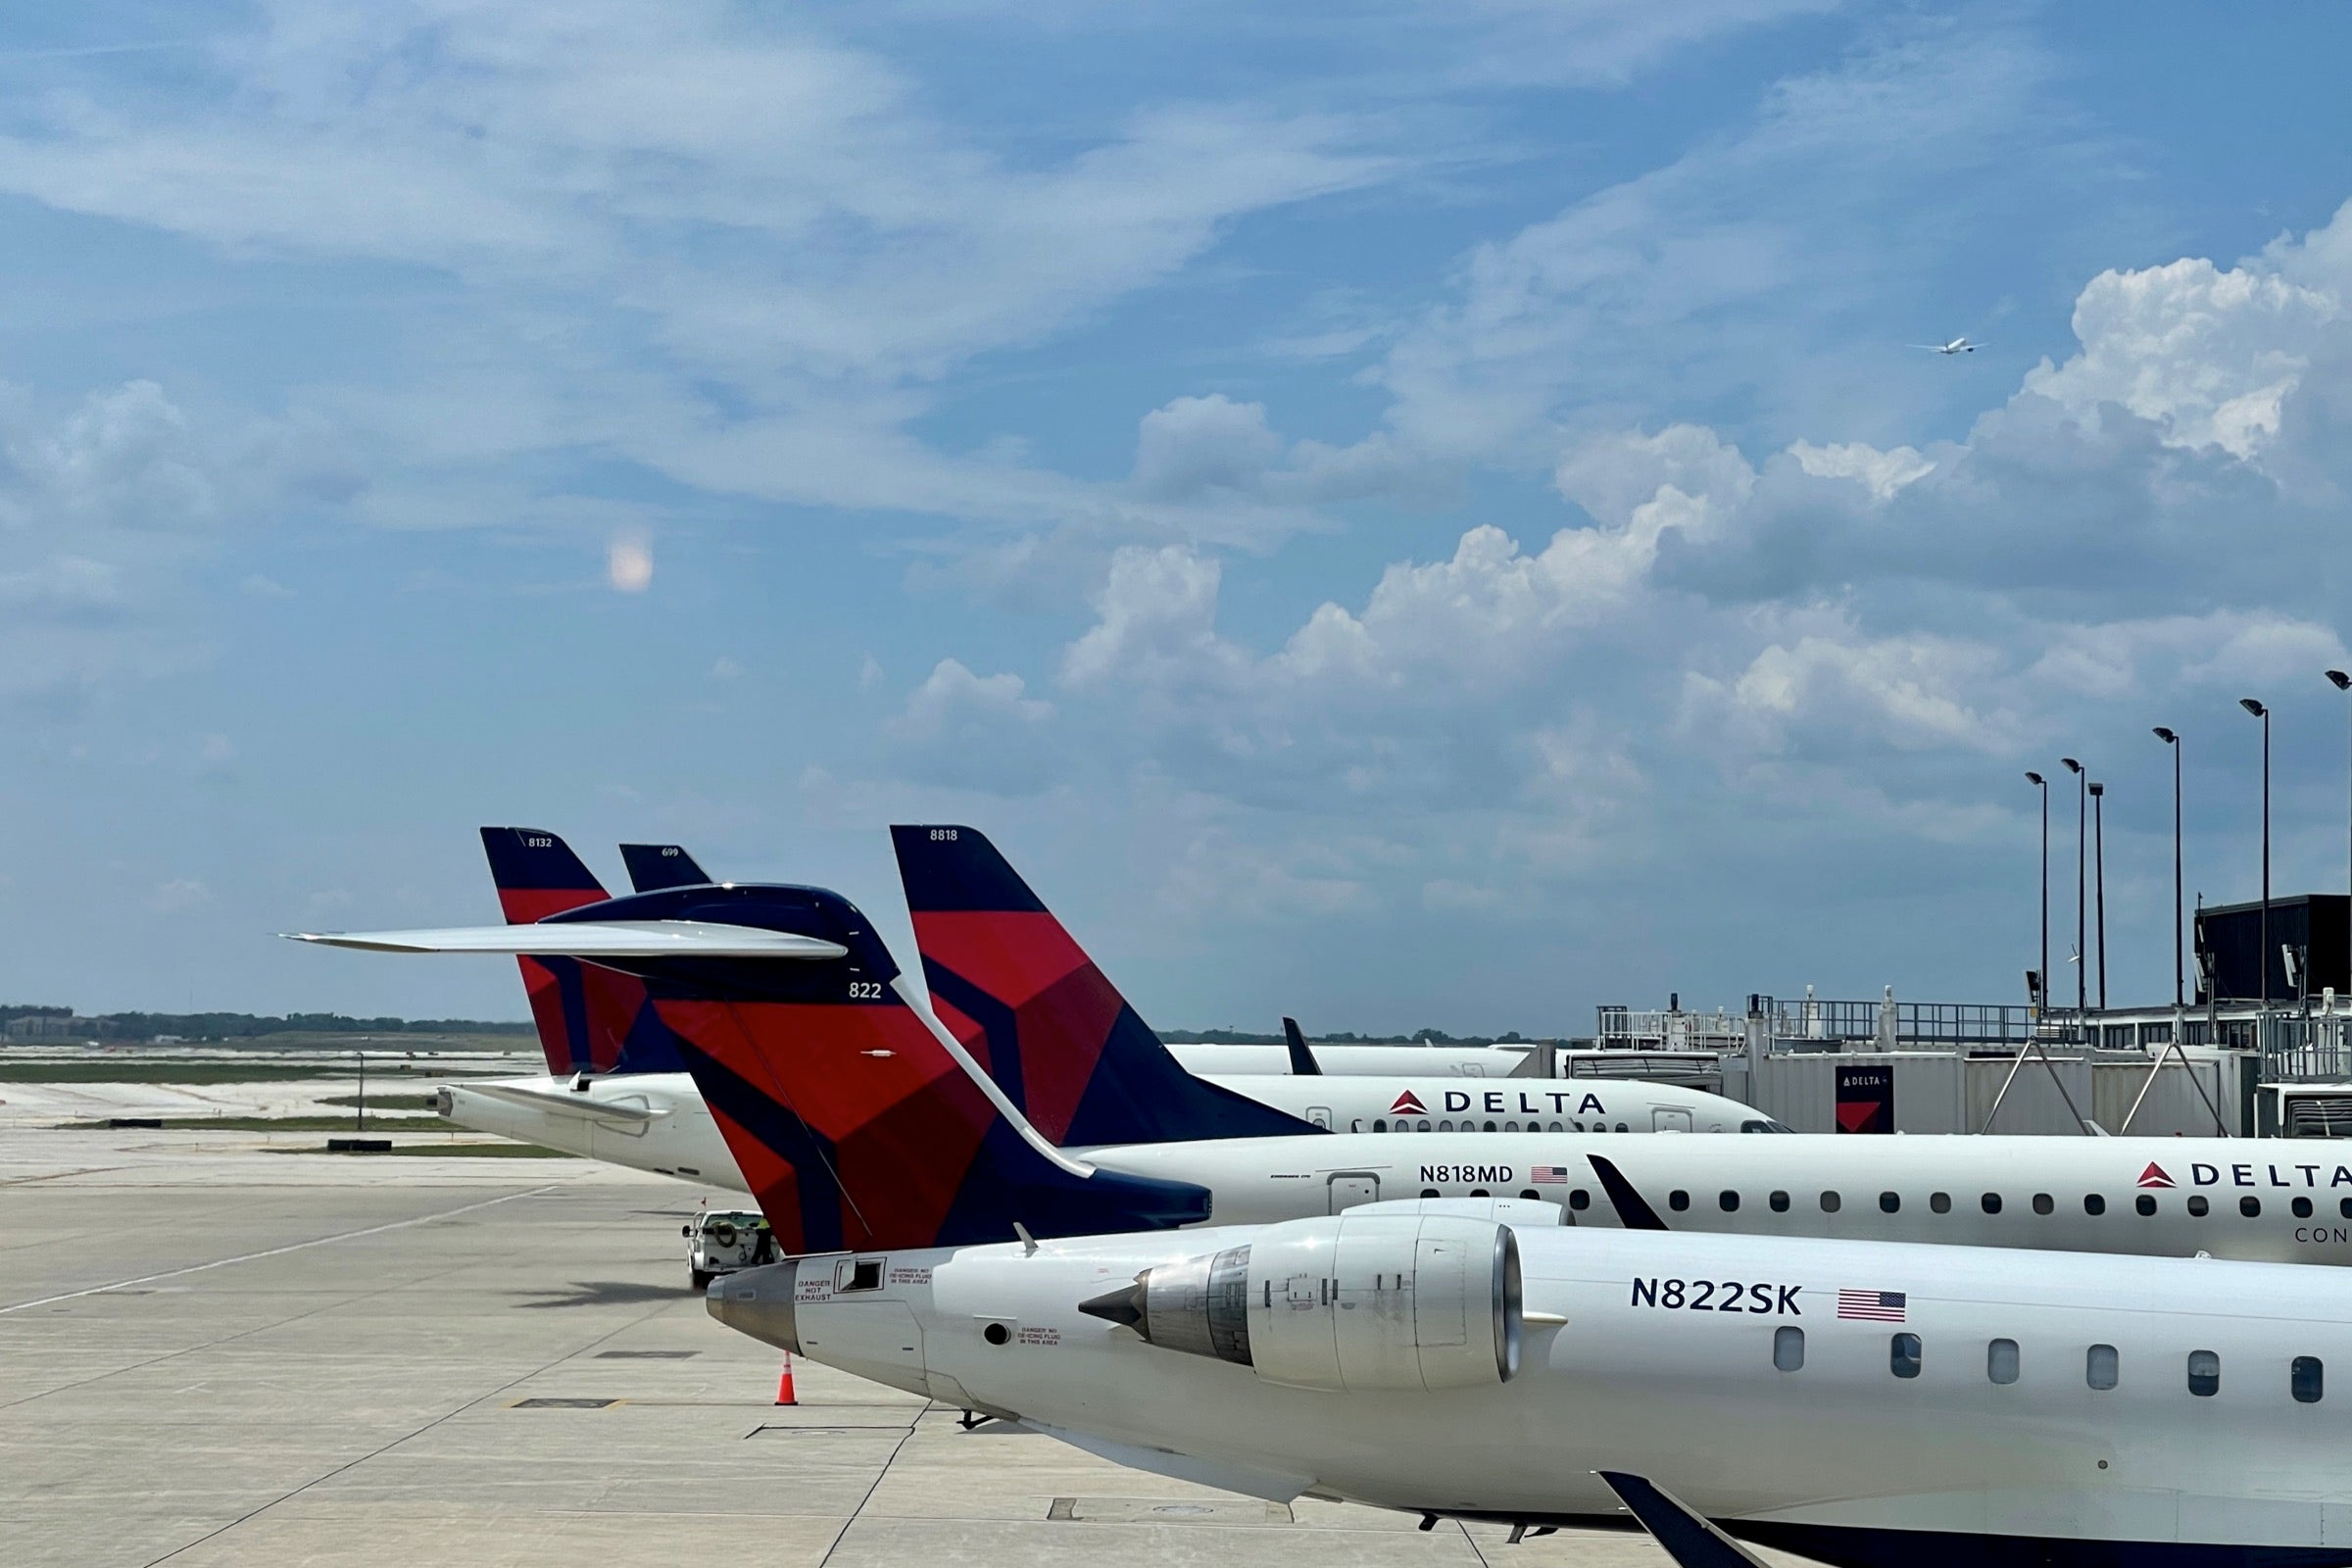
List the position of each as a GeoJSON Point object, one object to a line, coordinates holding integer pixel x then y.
{"type": "Point", "coordinates": [1402, 515]}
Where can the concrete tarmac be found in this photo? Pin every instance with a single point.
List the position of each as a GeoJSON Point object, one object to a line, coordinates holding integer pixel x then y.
{"type": "Point", "coordinates": [215, 1352]}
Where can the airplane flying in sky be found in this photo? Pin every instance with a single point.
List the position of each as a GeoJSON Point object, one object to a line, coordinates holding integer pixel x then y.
{"type": "Point", "coordinates": [1958, 345]}
{"type": "Point", "coordinates": [833, 1088]}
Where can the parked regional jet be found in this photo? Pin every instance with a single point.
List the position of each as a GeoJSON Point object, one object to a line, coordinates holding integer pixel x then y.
{"type": "Point", "coordinates": [1865, 1405]}
{"type": "Point", "coordinates": [842, 1099]}
{"type": "Point", "coordinates": [598, 1026]}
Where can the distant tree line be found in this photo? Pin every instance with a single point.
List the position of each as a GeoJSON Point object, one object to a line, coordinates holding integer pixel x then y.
{"type": "Point", "coordinates": [248, 1026]}
{"type": "Point", "coordinates": [1419, 1037]}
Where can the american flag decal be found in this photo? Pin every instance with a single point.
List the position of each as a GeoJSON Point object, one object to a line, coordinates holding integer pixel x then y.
{"type": "Point", "coordinates": [1872, 1307]}
{"type": "Point", "coordinates": [1549, 1175]}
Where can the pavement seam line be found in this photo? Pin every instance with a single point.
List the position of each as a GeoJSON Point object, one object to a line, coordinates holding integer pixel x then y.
{"type": "Point", "coordinates": [874, 1486]}
{"type": "Point", "coordinates": [450, 1414]}
{"type": "Point", "coordinates": [274, 1252]}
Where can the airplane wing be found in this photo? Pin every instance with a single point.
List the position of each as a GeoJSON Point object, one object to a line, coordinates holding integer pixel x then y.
{"type": "Point", "coordinates": [589, 939]}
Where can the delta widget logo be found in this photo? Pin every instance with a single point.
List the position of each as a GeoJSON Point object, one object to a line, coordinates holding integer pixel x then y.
{"type": "Point", "coordinates": [2154, 1176]}
{"type": "Point", "coordinates": [1409, 1103]}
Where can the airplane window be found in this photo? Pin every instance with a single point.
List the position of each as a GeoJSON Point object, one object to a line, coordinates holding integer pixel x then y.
{"type": "Point", "coordinates": [1429, 1192]}
{"type": "Point", "coordinates": [2345, 1208]}
{"type": "Point", "coordinates": [1940, 1203]}
{"type": "Point", "coordinates": [1479, 1192]}
{"type": "Point", "coordinates": [1380, 1124]}
{"type": "Point", "coordinates": [1508, 1126]}
{"type": "Point", "coordinates": [2001, 1360]}
{"type": "Point", "coordinates": [1829, 1203]}
{"type": "Point", "coordinates": [2204, 1374]}
{"type": "Point", "coordinates": [1678, 1200]}
{"type": "Point", "coordinates": [1778, 1201]}
{"type": "Point", "coordinates": [2044, 1203]}
{"type": "Point", "coordinates": [2099, 1366]}
{"type": "Point", "coordinates": [1556, 1126]}
{"type": "Point", "coordinates": [1578, 1197]}
{"type": "Point", "coordinates": [2093, 1204]}
{"type": "Point", "coordinates": [1529, 1193]}
{"type": "Point", "coordinates": [1788, 1348]}
{"type": "Point", "coordinates": [2302, 1208]}
{"type": "Point", "coordinates": [1729, 1199]}
{"type": "Point", "coordinates": [1356, 1126]}
{"type": "Point", "coordinates": [1890, 1202]}
{"type": "Point", "coordinates": [1446, 1127]}
{"type": "Point", "coordinates": [2145, 1202]}
{"type": "Point", "coordinates": [1579, 1126]}
{"type": "Point", "coordinates": [1425, 1124]}
{"type": "Point", "coordinates": [1991, 1202]}
{"type": "Point", "coordinates": [1623, 1128]}
{"type": "Point", "coordinates": [1902, 1355]}
{"type": "Point", "coordinates": [2197, 1204]}
{"type": "Point", "coordinates": [2305, 1380]}
{"type": "Point", "coordinates": [2249, 1206]}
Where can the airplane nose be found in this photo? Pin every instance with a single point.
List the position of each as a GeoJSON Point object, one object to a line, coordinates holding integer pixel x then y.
{"type": "Point", "coordinates": [758, 1302]}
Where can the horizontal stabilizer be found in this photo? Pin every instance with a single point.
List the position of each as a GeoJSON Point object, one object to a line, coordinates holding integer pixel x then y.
{"type": "Point", "coordinates": [590, 939]}
{"type": "Point", "coordinates": [561, 1104]}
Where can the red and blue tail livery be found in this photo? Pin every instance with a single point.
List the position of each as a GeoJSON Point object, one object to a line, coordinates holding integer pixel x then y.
{"type": "Point", "coordinates": [1028, 1003]}
{"type": "Point", "coordinates": [855, 1123]}
{"type": "Point", "coordinates": [590, 1019]}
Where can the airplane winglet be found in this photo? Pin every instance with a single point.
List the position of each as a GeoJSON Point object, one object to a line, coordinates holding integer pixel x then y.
{"type": "Point", "coordinates": [1303, 1060]}
{"type": "Point", "coordinates": [1633, 1209]}
{"type": "Point", "coordinates": [1685, 1535]}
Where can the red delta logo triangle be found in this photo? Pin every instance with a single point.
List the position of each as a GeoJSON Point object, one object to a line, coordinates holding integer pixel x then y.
{"type": "Point", "coordinates": [1408, 1103]}
{"type": "Point", "coordinates": [1853, 1117]}
{"type": "Point", "coordinates": [2154, 1176]}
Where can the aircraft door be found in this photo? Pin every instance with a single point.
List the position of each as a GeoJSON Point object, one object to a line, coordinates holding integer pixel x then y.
{"type": "Point", "coordinates": [1320, 1115]}
{"type": "Point", "coordinates": [1669, 1120]}
{"type": "Point", "coordinates": [1353, 1187]}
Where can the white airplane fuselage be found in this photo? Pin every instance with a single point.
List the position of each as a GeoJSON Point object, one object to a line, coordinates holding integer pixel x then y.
{"type": "Point", "coordinates": [2055, 1400]}
{"type": "Point", "coordinates": [2276, 1201]}
{"type": "Point", "coordinates": [657, 1121]}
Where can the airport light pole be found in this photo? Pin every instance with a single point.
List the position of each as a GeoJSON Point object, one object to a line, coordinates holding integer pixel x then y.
{"type": "Point", "coordinates": [2263, 714]}
{"type": "Point", "coordinates": [2098, 858]}
{"type": "Point", "coordinates": [2343, 683]}
{"type": "Point", "coordinates": [2082, 823]}
{"type": "Point", "coordinates": [2042, 1001]}
{"type": "Point", "coordinates": [2173, 740]}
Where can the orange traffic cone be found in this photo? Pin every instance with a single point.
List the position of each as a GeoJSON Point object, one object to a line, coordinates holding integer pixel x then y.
{"type": "Point", "coordinates": [784, 1393]}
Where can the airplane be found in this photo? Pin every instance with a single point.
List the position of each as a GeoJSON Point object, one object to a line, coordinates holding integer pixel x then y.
{"type": "Point", "coordinates": [1958, 345]}
{"type": "Point", "coordinates": [1865, 1405]}
{"type": "Point", "coordinates": [833, 1090]}
{"type": "Point", "coordinates": [611, 1108]}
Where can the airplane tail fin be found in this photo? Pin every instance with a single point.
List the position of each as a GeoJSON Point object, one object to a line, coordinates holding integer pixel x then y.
{"type": "Point", "coordinates": [654, 866]}
{"type": "Point", "coordinates": [1028, 1003]}
{"type": "Point", "coordinates": [589, 1020]}
{"type": "Point", "coordinates": [857, 1122]}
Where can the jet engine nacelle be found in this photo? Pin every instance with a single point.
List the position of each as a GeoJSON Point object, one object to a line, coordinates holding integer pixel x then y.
{"type": "Point", "coordinates": [1354, 1302]}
